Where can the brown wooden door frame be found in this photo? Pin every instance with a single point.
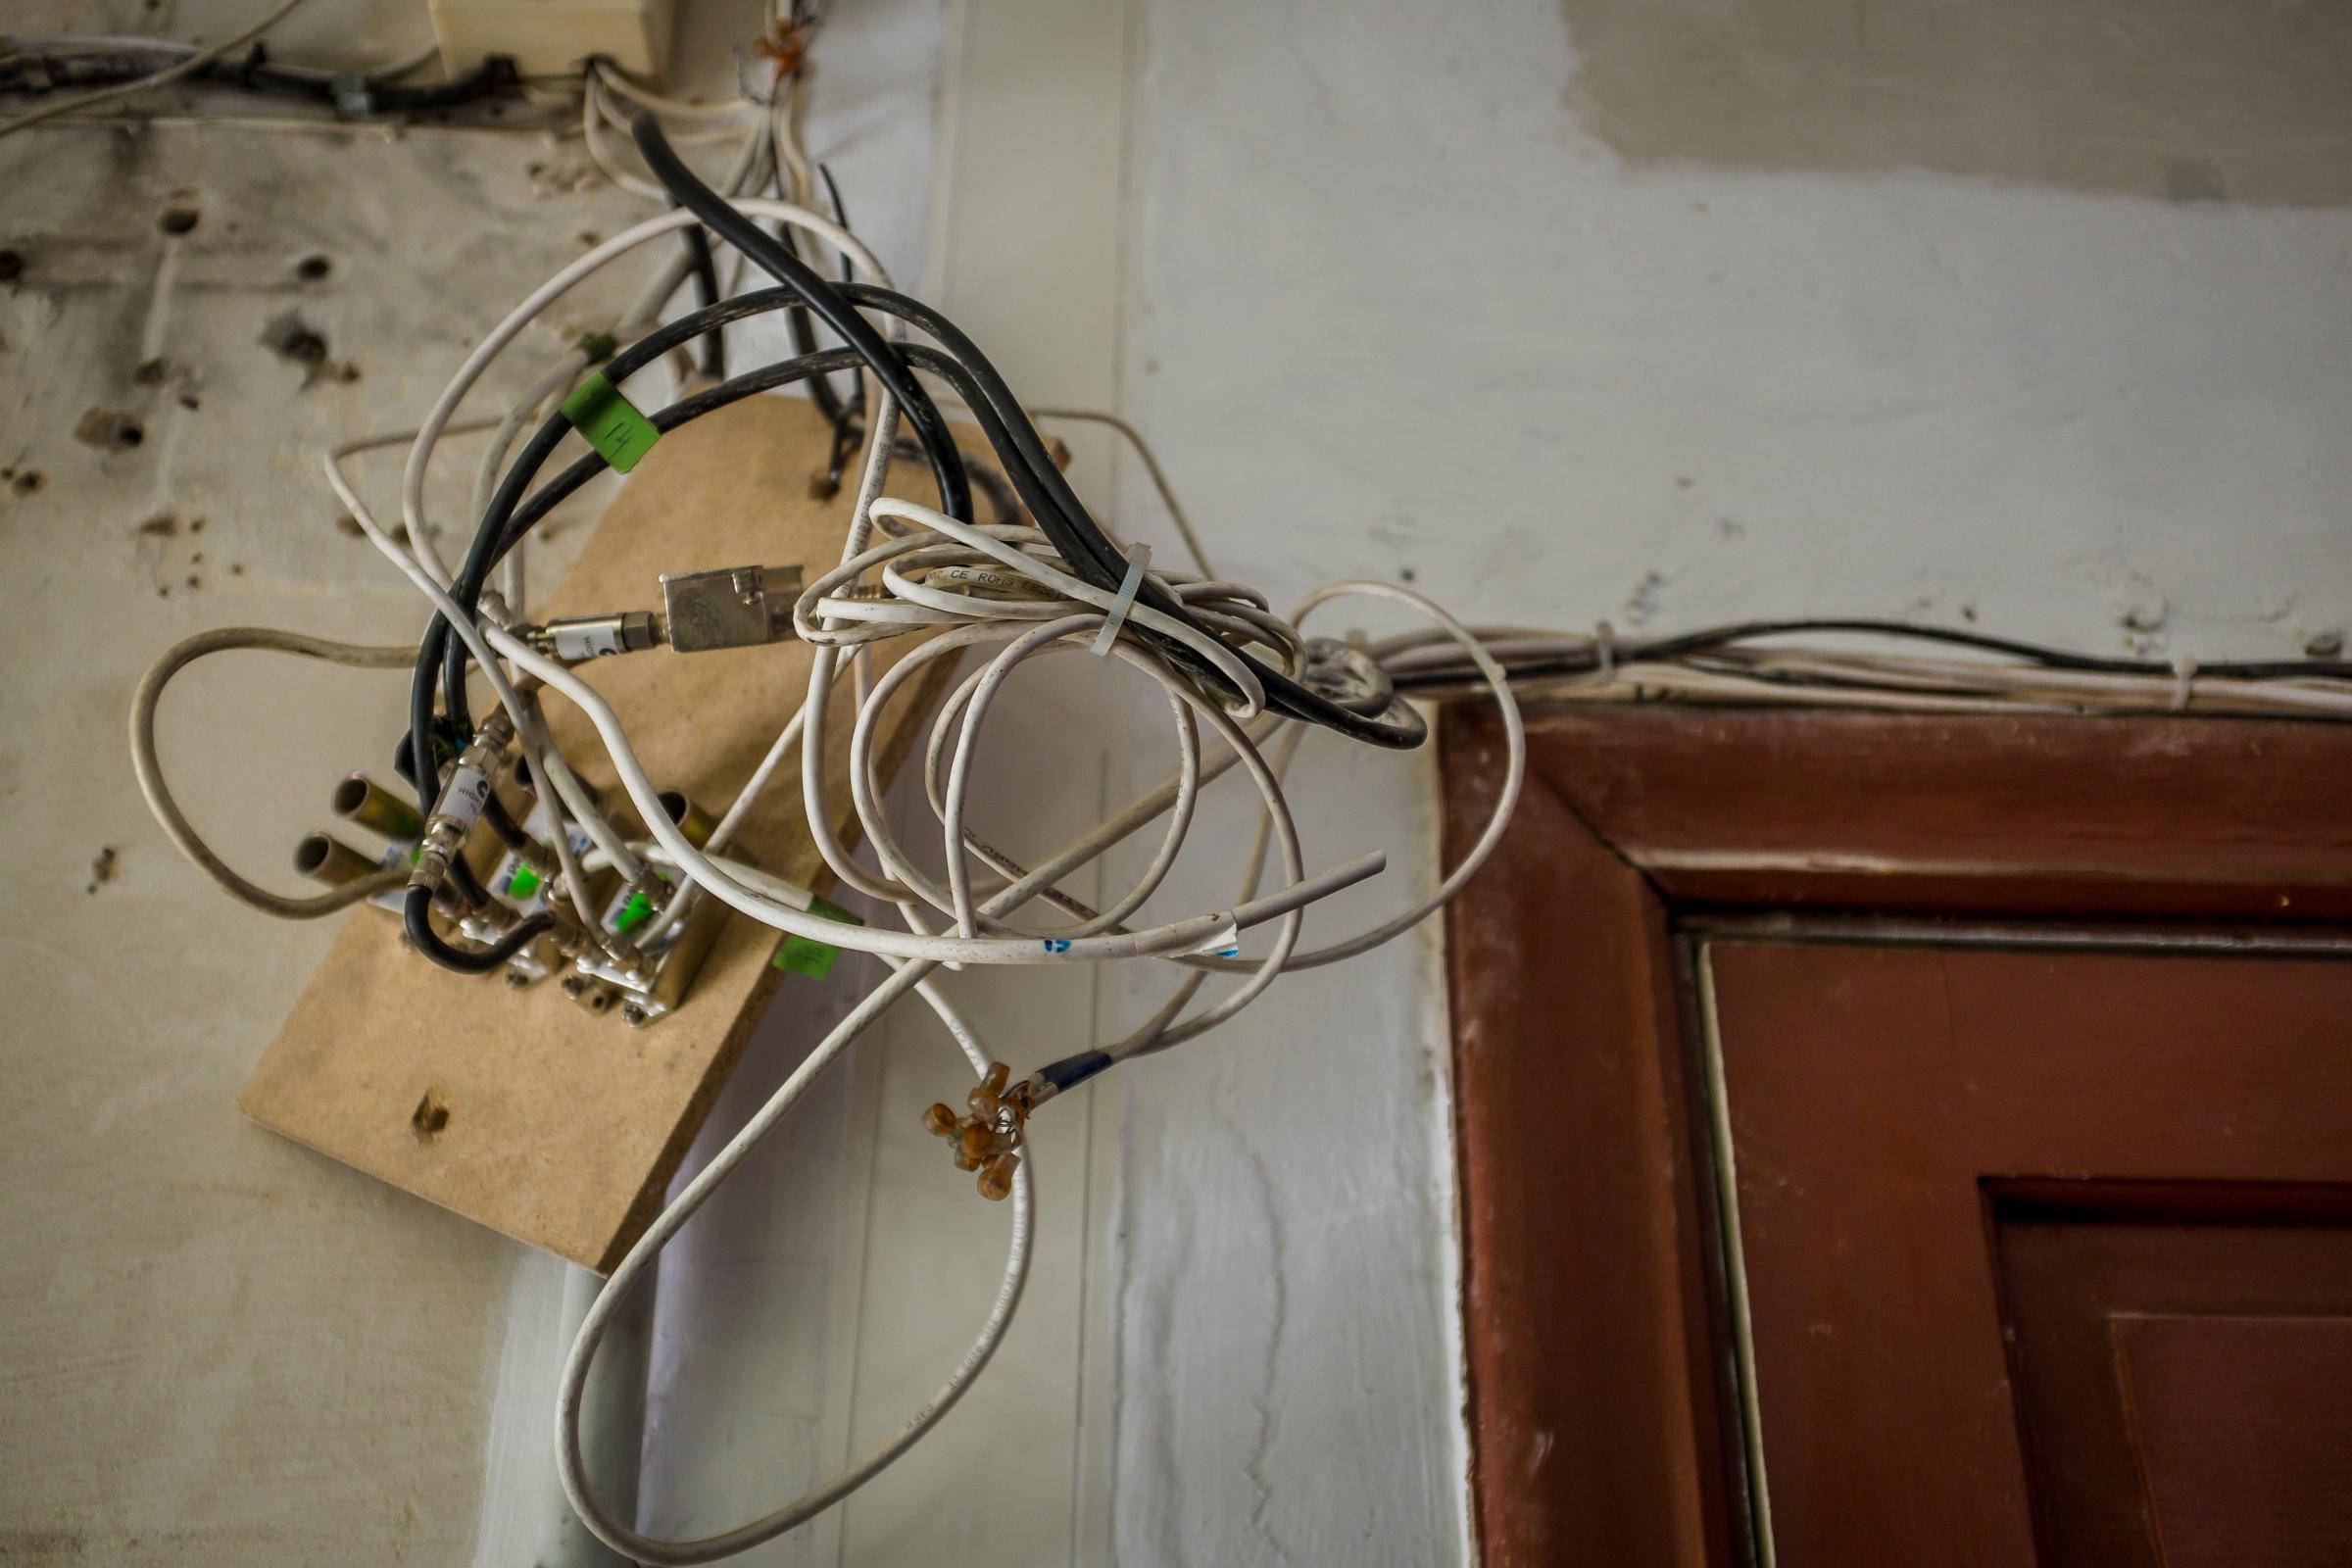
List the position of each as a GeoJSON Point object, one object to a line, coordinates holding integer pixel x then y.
{"type": "Point", "coordinates": [1604, 1408]}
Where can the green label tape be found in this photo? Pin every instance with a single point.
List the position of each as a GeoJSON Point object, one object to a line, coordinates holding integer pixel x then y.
{"type": "Point", "coordinates": [633, 914]}
{"type": "Point", "coordinates": [809, 956]}
{"type": "Point", "coordinates": [800, 955]}
{"type": "Point", "coordinates": [524, 883]}
{"type": "Point", "coordinates": [610, 422]}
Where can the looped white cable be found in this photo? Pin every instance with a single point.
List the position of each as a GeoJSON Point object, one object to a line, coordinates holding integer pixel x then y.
{"type": "Point", "coordinates": [1214, 653]}
{"type": "Point", "coordinates": [1139, 562]}
{"type": "Point", "coordinates": [953, 585]}
{"type": "Point", "coordinates": [412, 500]}
{"type": "Point", "coordinates": [2184, 682]}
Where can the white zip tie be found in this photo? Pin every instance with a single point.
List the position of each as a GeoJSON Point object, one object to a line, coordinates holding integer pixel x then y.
{"type": "Point", "coordinates": [1138, 559]}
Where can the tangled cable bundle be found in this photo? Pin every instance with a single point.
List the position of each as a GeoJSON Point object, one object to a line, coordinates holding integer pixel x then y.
{"type": "Point", "coordinates": [1242, 685]}
{"type": "Point", "coordinates": [1023, 591]}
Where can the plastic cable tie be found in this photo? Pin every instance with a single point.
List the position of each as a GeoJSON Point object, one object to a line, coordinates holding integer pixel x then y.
{"type": "Point", "coordinates": [1139, 561]}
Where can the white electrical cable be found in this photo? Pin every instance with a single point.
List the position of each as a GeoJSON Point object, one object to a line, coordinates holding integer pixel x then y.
{"type": "Point", "coordinates": [640, 1548]}
{"type": "Point", "coordinates": [942, 587]}
{"type": "Point", "coordinates": [546, 761]}
{"type": "Point", "coordinates": [430, 573]}
{"type": "Point", "coordinates": [1173, 937]}
{"type": "Point", "coordinates": [592, 138]}
{"type": "Point", "coordinates": [1151, 460]}
{"type": "Point", "coordinates": [420, 544]}
{"type": "Point", "coordinates": [913, 574]}
{"type": "Point", "coordinates": [1507, 801]}
{"type": "Point", "coordinates": [737, 117]}
{"type": "Point", "coordinates": [187, 66]}
{"type": "Point", "coordinates": [1809, 676]}
{"type": "Point", "coordinates": [954, 586]}
{"type": "Point", "coordinates": [147, 763]}
{"type": "Point", "coordinates": [556, 381]}
{"type": "Point", "coordinates": [618, 81]}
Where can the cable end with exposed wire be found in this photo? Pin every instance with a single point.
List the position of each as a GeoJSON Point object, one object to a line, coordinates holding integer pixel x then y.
{"type": "Point", "coordinates": [986, 1139]}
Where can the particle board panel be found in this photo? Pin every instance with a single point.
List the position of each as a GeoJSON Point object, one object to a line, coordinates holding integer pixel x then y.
{"type": "Point", "coordinates": [560, 1128]}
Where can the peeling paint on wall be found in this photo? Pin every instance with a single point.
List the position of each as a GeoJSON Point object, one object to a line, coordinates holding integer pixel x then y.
{"type": "Point", "coordinates": [2186, 100]}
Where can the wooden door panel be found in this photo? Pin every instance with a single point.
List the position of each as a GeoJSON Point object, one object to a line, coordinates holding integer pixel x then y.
{"type": "Point", "coordinates": [1910, 1127]}
{"type": "Point", "coordinates": [1947, 1360]}
{"type": "Point", "coordinates": [2182, 1363]}
{"type": "Point", "coordinates": [2239, 1425]}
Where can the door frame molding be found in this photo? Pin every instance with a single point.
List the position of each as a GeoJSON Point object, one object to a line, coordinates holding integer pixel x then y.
{"type": "Point", "coordinates": [1603, 1407]}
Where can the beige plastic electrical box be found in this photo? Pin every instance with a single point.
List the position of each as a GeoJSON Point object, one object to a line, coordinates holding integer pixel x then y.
{"type": "Point", "coordinates": [551, 37]}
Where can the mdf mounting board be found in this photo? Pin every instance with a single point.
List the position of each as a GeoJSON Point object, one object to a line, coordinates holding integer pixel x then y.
{"type": "Point", "coordinates": [519, 1108]}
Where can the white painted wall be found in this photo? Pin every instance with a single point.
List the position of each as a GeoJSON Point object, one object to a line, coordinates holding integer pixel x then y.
{"type": "Point", "coordinates": [1496, 352]}
{"type": "Point", "coordinates": [1391, 307]}
{"type": "Point", "coordinates": [217, 1348]}
{"type": "Point", "coordinates": [1384, 305]}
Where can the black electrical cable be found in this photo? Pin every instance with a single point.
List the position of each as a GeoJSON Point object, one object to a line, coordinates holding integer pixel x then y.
{"type": "Point", "coordinates": [468, 886]}
{"type": "Point", "coordinates": [502, 822]}
{"type": "Point", "coordinates": [848, 427]}
{"type": "Point", "coordinates": [766, 378]}
{"type": "Point", "coordinates": [2054, 658]}
{"type": "Point", "coordinates": [441, 657]}
{"type": "Point", "coordinates": [1003, 505]}
{"type": "Point", "coordinates": [509, 515]}
{"type": "Point", "coordinates": [841, 215]}
{"type": "Point", "coordinates": [436, 653]}
{"type": "Point", "coordinates": [747, 236]}
{"type": "Point", "coordinates": [1064, 520]}
{"type": "Point", "coordinates": [1712, 638]}
{"type": "Point", "coordinates": [1030, 468]}
{"type": "Point", "coordinates": [416, 916]}
{"type": "Point", "coordinates": [803, 343]}
{"type": "Point", "coordinates": [960, 363]}
{"type": "Point", "coordinates": [352, 95]}
{"type": "Point", "coordinates": [841, 413]}
{"type": "Point", "coordinates": [513, 524]}
{"type": "Point", "coordinates": [704, 270]}
{"type": "Point", "coordinates": [1021, 452]}
{"type": "Point", "coordinates": [442, 654]}
{"type": "Point", "coordinates": [1088, 552]}
{"type": "Point", "coordinates": [1025, 462]}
